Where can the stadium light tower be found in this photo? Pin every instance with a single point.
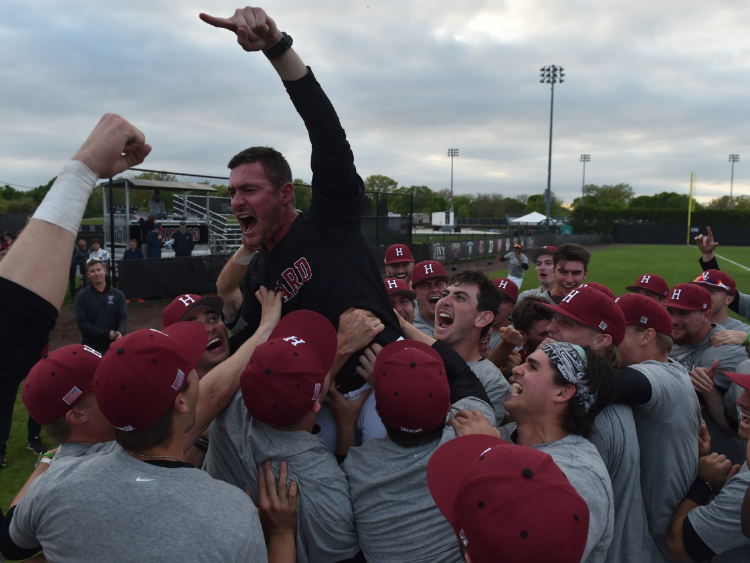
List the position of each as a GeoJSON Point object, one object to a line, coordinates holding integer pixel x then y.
{"type": "Point", "coordinates": [584, 158]}
{"type": "Point", "coordinates": [732, 158]}
{"type": "Point", "coordinates": [452, 153]}
{"type": "Point", "coordinates": [551, 75]}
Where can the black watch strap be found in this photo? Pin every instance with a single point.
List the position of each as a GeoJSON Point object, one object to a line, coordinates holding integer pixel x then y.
{"type": "Point", "coordinates": [280, 48]}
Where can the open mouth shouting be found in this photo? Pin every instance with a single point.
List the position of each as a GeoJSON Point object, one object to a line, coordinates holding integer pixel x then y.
{"type": "Point", "coordinates": [516, 388]}
{"type": "Point", "coordinates": [215, 345]}
{"type": "Point", "coordinates": [743, 416]}
{"type": "Point", "coordinates": [248, 223]}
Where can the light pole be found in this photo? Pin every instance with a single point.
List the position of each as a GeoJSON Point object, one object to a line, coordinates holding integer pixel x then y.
{"type": "Point", "coordinates": [550, 74]}
{"type": "Point", "coordinates": [732, 158]}
{"type": "Point", "coordinates": [584, 158]}
{"type": "Point", "coordinates": [452, 153]}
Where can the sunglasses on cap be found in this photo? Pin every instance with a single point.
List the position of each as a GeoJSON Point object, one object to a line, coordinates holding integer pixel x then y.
{"type": "Point", "coordinates": [715, 282]}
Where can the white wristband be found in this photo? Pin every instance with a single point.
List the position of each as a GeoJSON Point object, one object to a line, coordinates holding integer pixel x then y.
{"type": "Point", "coordinates": [242, 257]}
{"type": "Point", "coordinates": [66, 201]}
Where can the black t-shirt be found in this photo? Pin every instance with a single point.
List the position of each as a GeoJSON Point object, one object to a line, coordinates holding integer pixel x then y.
{"type": "Point", "coordinates": [323, 263]}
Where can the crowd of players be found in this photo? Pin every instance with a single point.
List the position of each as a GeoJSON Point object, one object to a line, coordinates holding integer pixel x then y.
{"type": "Point", "coordinates": [420, 418]}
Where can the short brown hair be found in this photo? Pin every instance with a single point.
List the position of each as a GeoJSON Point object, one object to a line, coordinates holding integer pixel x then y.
{"type": "Point", "coordinates": [488, 297]}
{"type": "Point", "coordinates": [59, 430]}
{"type": "Point", "coordinates": [275, 166]}
{"type": "Point", "coordinates": [664, 343]}
{"type": "Point", "coordinates": [527, 312]}
{"type": "Point", "coordinates": [572, 252]}
{"type": "Point", "coordinates": [95, 241]}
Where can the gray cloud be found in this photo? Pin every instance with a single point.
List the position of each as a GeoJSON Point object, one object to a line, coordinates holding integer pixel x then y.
{"type": "Point", "coordinates": [652, 92]}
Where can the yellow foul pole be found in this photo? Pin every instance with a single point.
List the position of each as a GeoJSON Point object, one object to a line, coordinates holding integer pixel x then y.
{"type": "Point", "coordinates": [691, 206]}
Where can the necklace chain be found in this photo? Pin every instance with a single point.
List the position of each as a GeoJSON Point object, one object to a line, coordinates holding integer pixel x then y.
{"type": "Point", "coordinates": [151, 456]}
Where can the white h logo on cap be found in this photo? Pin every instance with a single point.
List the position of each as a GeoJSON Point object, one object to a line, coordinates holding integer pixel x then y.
{"type": "Point", "coordinates": [392, 284]}
{"type": "Point", "coordinates": [645, 279]}
{"type": "Point", "coordinates": [503, 284]}
{"type": "Point", "coordinates": [186, 300]}
{"type": "Point", "coordinates": [294, 340]}
{"type": "Point", "coordinates": [88, 349]}
{"type": "Point", "coordinates": [569, 297]}
{"type": "Point", "coordinates": [428, 268]}
{"type": "Point", "coordinates": [676, 294]}
{"type": "Point", "coordinates": [399, 252]}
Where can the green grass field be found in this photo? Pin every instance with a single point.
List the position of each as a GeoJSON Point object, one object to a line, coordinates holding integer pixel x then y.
{"type": "Point", "coordinates": [614, 267]}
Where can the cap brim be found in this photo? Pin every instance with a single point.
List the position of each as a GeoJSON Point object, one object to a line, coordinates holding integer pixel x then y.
{"type": "Point", "coordinates": [448, 465]}
{"type": "Point", "coordinates": [192, 337]}
{"type": "Point", "coordinates": [408, 293]}
{"type": "Point", "coordinates": [560, 311]}
{"type": "Point", "coordinates": [399, 260]}
{"type": "Point", "coordinates": [443, 277]}
{"type": "Point", "coordinates": [313, 328]}
{"type": "Point", "coordinates": [714, 286]}
{"type": "Point", "coordinates": [670, 305]}
{"type": "Point", "coordinates": [741, 379]}
{"type": "Point", "coordinates": [213, 302]}
{"type": "Point", "coordinates": [508, 295]}
{"type": "Point", "coordinates": [634, 287]}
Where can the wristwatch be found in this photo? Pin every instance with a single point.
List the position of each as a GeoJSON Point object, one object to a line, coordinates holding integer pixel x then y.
{"type": "Point", "coordinates": [280, 48]}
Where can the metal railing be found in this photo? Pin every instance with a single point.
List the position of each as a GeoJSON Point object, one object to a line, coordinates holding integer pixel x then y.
{"type": "Point", "coordinates": [222, 236]}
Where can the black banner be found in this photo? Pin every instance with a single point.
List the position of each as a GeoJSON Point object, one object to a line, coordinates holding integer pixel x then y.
{"type": "Point", "coordinates": [199, 233]}
{"type": "Point", "coordinates": [169, 277]}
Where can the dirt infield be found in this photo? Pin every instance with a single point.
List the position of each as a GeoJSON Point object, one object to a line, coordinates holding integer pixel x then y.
{"type": "Point", "coordinates": [148, 315]}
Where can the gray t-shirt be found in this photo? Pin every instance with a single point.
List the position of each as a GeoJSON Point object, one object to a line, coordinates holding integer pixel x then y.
{"type": "Point", "coordinates": [719, 522]}
{"type": "Point", "coordinates": [325, 523]}
{"type": "Point", "coordinates": [421, 323]}
{"type": "Point", "coordinates": [578, 459]}
{"type": "Point", "coordinates": [223, 460]}
{"type": "Point", "coordinates": [113, 507]}
{"type": "Point", "coordinates": [733, 324]}
{"type": "Point", "coordinates": [668, 427]}
{"type": "Point", "coordinates": [537, 292]}
{"type": "Point", "coordinates": [515, 270]}
{"type": "Point", "coordinates": [396, 517]}
{"type": "Point", "coordinates": [744, 305]}
{"type": "Point", "coordinates": [494, 383]}
{"type": "Point", "coordinates": [729, 356]}
{"type": "Point", "coordinates": [616, 440]}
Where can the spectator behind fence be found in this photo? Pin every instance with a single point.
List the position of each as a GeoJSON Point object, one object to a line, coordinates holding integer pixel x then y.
{"type": "Point", "coordinates": [156, 206]}
{"type": "Point", "coordinates": [183, 241]}
{"type": "Point", "coordinates": [101, 310]}
{"type": "Point", "coordinates": [153, 243]}
{"type": "Point", "coordinates": [133, 252]}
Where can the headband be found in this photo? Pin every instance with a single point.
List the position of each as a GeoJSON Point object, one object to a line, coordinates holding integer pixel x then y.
{"type": "Point", "coordinates": [570, 360]}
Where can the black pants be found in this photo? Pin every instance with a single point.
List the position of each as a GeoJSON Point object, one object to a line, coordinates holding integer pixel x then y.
{"type": "Point", "coordinates": [8, 391]}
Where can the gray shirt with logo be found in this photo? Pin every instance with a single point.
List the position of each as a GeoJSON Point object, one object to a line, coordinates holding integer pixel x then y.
{"type": "Point", "coordinates": [494, 383]}
{"type": "Point", "coordinates": [668, 427]}
{"type": "Point", "coordinates": [719, 523]}
{"type": "Point", "coordinates": [112, 507]}
{"type": "Point", "coordinates": [537, 292]}
{"type": "Point", "coordinates": [396, 517]}
{"type": "Point", "coordinates": [616, 439]}
{"type": "Point", "coordinates": [578, 459]}
{"type": "Point", "coordinates": [516, 270]}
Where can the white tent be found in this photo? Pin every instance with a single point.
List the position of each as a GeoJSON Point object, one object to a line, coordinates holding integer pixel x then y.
{"type": "Point", "coordinates": [532, 218]}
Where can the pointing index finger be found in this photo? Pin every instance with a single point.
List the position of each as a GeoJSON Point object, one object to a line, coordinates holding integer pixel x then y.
{"type": "Point", "coordinates": [218, 22]}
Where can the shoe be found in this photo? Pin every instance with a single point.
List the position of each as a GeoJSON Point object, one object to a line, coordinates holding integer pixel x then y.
{"type": "Point", "coordinates": [36, 446]}
{"type": "Point", "coordinates": [2, 461]}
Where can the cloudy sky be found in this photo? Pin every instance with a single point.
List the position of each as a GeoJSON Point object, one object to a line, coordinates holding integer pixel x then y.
{"type": "Point", "coordinates": [654, 90]}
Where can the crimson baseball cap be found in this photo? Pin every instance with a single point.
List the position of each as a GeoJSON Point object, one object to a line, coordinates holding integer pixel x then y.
{"type": "Point", "coordinates": [506, 502]}
{"type": "Point", "coordinates": [411, 388]}
{"type": "Point", "coordinates": [517, 245]}
{"type": "Point", "coordinates": [535, 253]}
{"type": "Point", "coordinates": [741, 379]}
{"type": "Point", "coordinates": [508, 287]}
{"type": "Point", "coordinates": [58, 381]}
{"type": "Point", "coordinates": [717, 279]}
{"type": "Point", "coordinates": [651, 282]}
{"type": "Point", "coordinates": [142, 373]}
{"type": "Point", "coordinates": [601, 287]}
{"type": "Point", "coordinates": [428, 270]}
{"type": "Point", "coordinates": [643, 311]}
{"type": "Point", "coordinates": [398, 253]}
{"type": "Point", "coordinates": [396, 286]}
{"type": "Point", "coordinates": [285, 375]}
{"type": "Point", "coordinates": [187, 302]}
{"type": "Point", "coordinates": [690, 297]}
{"type": "Point", "coordinates": [594, 309]}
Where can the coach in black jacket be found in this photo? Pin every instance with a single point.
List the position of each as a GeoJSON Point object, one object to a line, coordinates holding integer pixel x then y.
{"type": "Point", "coordinates": [101, 310]}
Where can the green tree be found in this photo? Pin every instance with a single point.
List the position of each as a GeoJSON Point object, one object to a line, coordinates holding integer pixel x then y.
{"type": "Point", "coordinates": [302, 194]}
{"type": "Point", "coordinates": [515, 207]}
{"type": "Point", "coordinates": [490, 206]}
{"type": "Point", "coordinates": [537, 203]}
{"type": "Point", "coordinates": [738, 202]}
{"type": "Point", "coordinates": [606, 196]}
{"type": "Point", "coordinates": [463, 205]}
{"type": "Point", "coordinates": [379, 183]}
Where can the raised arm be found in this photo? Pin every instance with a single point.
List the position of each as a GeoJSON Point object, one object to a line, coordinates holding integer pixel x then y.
{"type": "Point", "coordinates": [229, 280]}
{"type": "Point", "coordinates": [332, 161]}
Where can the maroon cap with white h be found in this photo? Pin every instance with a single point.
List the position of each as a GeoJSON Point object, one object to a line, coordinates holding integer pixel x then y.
{"type": "Point", "coordinates": [396, 286]}
{"type": "Point", "coordinates": [594, 309]}
{"type": "Point", "coordinates": [640, 310]}
{"type": "Point", "coordinates": [182, 305]}
{"type": "Point", "coordinates": [58, 381]}
{"type": "Point", "coordinates": [398, 253]}
{"type": "Point", "coordinates": [508, 287]}
{"type": "Point", "coordinates": [411, 388]}
{"type": "Point", "coordinates": [427, 270]}
{"type": "Point", "coordinates": [651, 282]}
{"type": "Point", "coordinates": [690, 297]}
{"type": "Point", "coordinates": [717, 279]}
{"type": "Point", "coordinates": [142, 373]}
{"type": "Point", "coordinates": [285, 375]}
